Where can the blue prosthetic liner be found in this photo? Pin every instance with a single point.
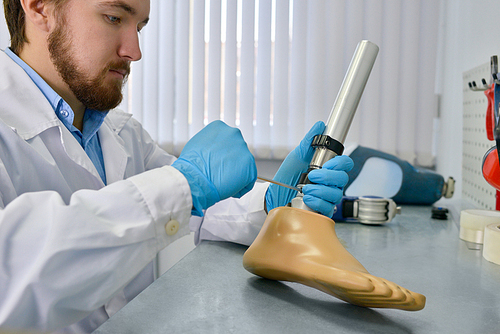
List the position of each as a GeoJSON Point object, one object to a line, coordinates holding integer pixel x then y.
{"type": "Point", "coordinates": [418, 186]}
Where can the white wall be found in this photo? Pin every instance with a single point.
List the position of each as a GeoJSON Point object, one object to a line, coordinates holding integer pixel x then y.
{"type": "Point", "coordinates": [469, 37]}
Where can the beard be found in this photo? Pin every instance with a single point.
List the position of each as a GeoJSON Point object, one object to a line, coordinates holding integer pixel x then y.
{"type": "Point", "coordinates": [93, 92]}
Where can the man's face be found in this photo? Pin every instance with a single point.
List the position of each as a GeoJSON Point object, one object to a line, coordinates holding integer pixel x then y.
{"type": "Point", "coordinates": [92, 46]}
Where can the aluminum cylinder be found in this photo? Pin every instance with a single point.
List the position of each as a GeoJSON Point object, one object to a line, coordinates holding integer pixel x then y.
{"type": "Point", "coordinates": [345, 105]}
{"type": "Point", "coordinates": [348, 98]}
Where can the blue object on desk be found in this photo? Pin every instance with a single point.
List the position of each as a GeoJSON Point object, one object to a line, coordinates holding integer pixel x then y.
{"type": "Point", "coordinates": [405, 183]}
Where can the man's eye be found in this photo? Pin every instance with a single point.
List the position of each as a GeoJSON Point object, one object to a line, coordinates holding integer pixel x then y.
{"type": "Point", "coordinates": [113, 19]}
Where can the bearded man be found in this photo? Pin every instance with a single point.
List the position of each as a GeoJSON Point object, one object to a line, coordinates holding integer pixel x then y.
{"type": "Point", "coordinates": [87, 199]}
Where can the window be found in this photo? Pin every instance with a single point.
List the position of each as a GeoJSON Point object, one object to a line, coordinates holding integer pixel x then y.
{"type": "Point", "coordinates": [274, 67]}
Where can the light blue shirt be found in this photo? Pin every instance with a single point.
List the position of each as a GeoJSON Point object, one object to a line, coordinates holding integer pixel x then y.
{"type": "Point", "coordinates": [92, 119]}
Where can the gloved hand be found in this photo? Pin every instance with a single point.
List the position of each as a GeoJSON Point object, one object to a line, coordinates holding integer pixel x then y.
{"type": "Point", "coordinates": [217, 164]}
{"type": "Point", "coordinates": [296, 163]}
{"type": "Point", "coordinates": [331, 179]}
{"type": "Point", "coordinates": [327, 187]}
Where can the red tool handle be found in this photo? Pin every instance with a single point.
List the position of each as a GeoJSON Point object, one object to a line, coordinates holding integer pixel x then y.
{"type": "Point", "coordinates": [490, 114]}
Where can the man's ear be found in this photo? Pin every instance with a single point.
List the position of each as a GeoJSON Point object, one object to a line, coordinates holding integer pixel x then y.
{"type": "Point", "coordinates": [36, 11]}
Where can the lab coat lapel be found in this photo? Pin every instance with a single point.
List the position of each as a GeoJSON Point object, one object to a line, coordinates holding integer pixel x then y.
{"type": "Point", "coordinates": [114, 154]}
{"type": "Point", "coordinates": [76, 153]}
{"type": "Point", "coordinates": [24, 108]}
{"type": "Point", "coordinates": [28, 112]}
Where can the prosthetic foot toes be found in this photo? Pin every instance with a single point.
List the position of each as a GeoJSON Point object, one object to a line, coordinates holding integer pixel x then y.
{"type": "Point", "coordinates": [300, 246]}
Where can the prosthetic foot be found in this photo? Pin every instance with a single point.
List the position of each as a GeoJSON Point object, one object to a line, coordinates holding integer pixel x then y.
{"type": "Point", "coordinates": [296, 245]}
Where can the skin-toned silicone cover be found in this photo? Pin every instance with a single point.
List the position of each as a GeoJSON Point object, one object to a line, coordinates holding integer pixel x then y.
{"type": "Point", "coordinates": [296, 245]}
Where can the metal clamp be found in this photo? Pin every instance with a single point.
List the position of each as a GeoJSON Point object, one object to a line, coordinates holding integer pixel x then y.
{"type": "Point", "coordinates": [376, 211]}
{"type": "Point", "coordinates": [367, 210]}
{"type": "Point", "coordinates": [329, 143]}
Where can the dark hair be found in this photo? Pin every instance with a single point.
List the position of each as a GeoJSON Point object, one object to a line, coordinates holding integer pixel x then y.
{"type": "Point", "coordinates": [15, 18]}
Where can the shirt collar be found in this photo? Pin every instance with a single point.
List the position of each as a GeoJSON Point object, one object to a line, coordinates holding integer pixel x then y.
{"type": "Point", "coordinates": [92, 119]}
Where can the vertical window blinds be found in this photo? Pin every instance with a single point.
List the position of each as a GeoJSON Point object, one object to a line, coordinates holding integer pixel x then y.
{"type": "Point", "coordinates": [273, 68]}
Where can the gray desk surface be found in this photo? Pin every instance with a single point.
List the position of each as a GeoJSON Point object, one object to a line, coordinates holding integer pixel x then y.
{"type": "Point", "coordinates": [209, 291]}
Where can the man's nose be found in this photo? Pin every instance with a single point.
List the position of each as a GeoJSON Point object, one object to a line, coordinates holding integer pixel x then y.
{"type": "Point", "coordinates": [130, 47]}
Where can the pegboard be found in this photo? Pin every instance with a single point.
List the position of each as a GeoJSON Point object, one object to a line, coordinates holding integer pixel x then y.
{"type": "Point", "coordinates": [475, 189]}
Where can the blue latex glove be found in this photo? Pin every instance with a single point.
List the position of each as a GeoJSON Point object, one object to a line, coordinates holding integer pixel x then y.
{"type": "Point", "coordinates": [329, 181]}
{"type": "Point", "coordinates": [296, 163]}
{"type": "Point", "coordinates": [328, 184]}
{"type": "Point", "coordinates": [217, 165]}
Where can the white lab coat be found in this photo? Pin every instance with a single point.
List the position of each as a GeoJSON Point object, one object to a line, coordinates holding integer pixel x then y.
{"type": "Point", "coordinates": [71, 248]}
